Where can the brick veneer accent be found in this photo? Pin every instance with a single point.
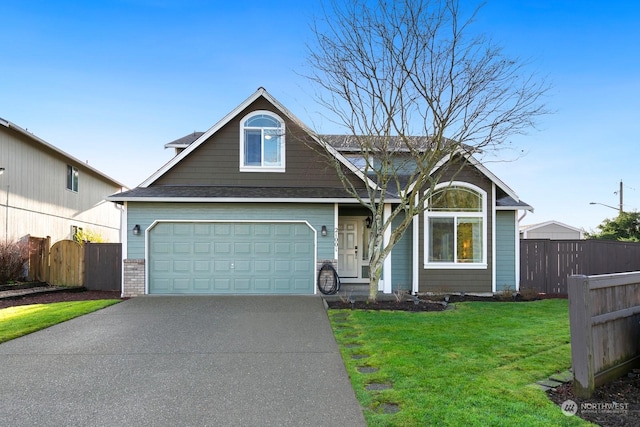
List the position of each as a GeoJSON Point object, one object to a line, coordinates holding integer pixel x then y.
{"type": "Point", "coordinates": [133, 278]}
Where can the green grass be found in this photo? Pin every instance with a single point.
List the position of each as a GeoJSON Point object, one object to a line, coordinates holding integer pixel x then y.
{"type": "Point", "coordinates": [472, 366]}
{"type": "Point", "coordinates": [25, 319]}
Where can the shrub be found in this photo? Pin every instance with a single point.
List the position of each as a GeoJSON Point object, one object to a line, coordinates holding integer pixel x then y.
{"type": "Point", "coordinates": [13, 256]}
{"type": "Point", "coordinates": [90, 236]}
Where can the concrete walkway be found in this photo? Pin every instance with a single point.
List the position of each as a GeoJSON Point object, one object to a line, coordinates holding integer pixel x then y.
{"type": "Point", "coordinates": [190, 361]}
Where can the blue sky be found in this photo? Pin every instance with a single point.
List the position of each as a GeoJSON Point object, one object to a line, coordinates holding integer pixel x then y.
{"type": "Point", "coordinates": [111, 82]}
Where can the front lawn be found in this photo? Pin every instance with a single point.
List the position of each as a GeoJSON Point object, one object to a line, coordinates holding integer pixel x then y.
{"type": "Point", "coordinates": [470, 366]}
{"type": "Point", "coordinates": [25, 319]}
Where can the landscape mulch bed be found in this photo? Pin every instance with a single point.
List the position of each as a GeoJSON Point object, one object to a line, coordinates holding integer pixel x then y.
{"type": "Point", "coordinates": [613, 404]}
{"type": "Point", "coordinates": [56, 295]}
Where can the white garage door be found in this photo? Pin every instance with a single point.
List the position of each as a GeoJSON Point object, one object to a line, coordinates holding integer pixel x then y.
{"type": "Point", "coordinates": [231, 258]}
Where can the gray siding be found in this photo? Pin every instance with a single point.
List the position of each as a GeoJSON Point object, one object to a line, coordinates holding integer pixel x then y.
{"type": "Point", "coordinates": [145, 214]}
{"type": "Point", "coordinates": [461, 280]}
{"type": "Point", "coordinates": [217, 161]}
{"type": "Point", "coordinates": [505, 250]}
{"type": "Point", "coordinates": [39, 202]}
{"type": "Point", "coordinates": [401, 260]}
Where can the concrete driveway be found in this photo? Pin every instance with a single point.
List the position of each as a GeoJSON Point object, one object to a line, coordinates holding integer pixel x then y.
{"type": "Point", "coordinates": [191, 361]}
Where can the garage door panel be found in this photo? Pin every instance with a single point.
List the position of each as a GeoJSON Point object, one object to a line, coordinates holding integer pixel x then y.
{"type": "Point", "coordinates": [223, 248]}
{"type": "Point", "coordinates": [202, 266]}
{"type": "Point", "coordinates": [201, 248]}
{"type": "Point", "coordinates": [231, 258]}
{"type": "Point", "coordinates": [181, 284]}
{"type": "Point", "coordinates": [262, 284]}
{"type": "Point", "coordinates": [242, 248]}
{"type": "Point", "coordinates": [222, 285]}
{"type": "Point", "coordinates": [262, 266]}
{"type": "Point", "coordinates": [182, 266]}
{"type": "Point", "coordinates": [262, 248]}
{"type": "Point", "coordinates": [242, 284]}
{"type": "Point", "coordinates": [182, 248]}
{"type": "Point", "coordinates": [242, 266]}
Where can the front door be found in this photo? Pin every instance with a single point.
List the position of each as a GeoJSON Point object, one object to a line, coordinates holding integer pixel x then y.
{"type": "Point", "coordinates": [348, 248]}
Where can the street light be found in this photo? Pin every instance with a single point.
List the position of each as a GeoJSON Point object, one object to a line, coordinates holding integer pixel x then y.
{"type": "Point", "coordinates": [619, 209]}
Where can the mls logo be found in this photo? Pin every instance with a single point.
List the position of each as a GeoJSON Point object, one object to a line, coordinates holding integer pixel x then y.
{"type": "Point", "coordinates": [569, 408]}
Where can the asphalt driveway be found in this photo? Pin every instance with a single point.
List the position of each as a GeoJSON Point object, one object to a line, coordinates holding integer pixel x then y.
{"type": "Point", "coordinates": [191, 361]}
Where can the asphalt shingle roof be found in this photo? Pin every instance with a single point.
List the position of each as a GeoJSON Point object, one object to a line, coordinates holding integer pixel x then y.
{"type": "Point", "coordinates": [222, 192]}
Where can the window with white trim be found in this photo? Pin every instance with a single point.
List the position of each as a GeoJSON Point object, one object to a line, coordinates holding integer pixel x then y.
{"type": "Point", "coordinates": [262, 143]}
{"type": "Point", "coordinates": [456, 227]}
{"type": "Point", "coordinates": [72, 178]}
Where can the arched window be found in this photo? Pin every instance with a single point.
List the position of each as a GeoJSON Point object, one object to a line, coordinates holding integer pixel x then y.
{"type": "Point", "coordinates": [262, 143]}
{"type": "Point", "coordinates": [455, 227]}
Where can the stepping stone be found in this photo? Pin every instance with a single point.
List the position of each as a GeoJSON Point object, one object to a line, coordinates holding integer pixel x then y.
{"type": "Point", "coordinates": [390, 408]}
{"type": "Point", "coordinates": [542, 387]}
{"type": "Point", "coordinates": [359, 356]}
{"type": "Point", "coordinates": [562, 377]}
{"type": "Point", "coordinates": [549, 383]}
{"type": "Point", "coordinates": [354, 345]}
{"type": "Point", "coordinates": [378, 386]}
{"type": "Point", "coordinates": [367, 369]}
{"type": "Point", "coordinates": [351, 335]}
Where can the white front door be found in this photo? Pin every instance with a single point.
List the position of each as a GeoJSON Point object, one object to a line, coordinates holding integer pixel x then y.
{"type": "Point", "coordinates": [348, 248]}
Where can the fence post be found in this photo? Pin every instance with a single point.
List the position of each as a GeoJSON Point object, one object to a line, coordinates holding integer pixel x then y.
{"type": "Point", "coordinates": [581, 336]}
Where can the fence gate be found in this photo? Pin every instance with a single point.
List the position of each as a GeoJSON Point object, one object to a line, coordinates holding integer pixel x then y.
{"type": "Point", "coordinates": [38, 268]}
{"type": "Point", "coordinates": [102, 266]}
{"type": "Point", "coordinates": [66, 265]}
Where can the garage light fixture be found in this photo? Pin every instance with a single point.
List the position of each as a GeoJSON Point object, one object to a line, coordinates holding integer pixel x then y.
{"type": "Point", "coordinates": [136, 229]}
{"type": "Point", "coordinates": [323, 231]}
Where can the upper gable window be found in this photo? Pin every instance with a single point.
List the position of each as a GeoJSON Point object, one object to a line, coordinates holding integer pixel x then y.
{"type": "Point", "coordinates": [262, 143]}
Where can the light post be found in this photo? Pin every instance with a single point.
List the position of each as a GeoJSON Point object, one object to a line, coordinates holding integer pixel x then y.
{"type": "Point", "coordinates": [619, 209]}
{"type": "Point", "coordinates": [620, 194]}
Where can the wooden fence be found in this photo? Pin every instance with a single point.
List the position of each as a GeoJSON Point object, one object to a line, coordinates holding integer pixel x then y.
{"type": "Point", "coordinates": [96, 266]}
{"type": "Point", "coordinates": [66, 264]}
{"type": "Point", "coordinates": [546, 264]}
{"type": "Point", "coordinates": [38, 264]}
{"type": "Point", "coordinates": [604, 314]}
{"type": "Point", "coordinates": [103, 266]}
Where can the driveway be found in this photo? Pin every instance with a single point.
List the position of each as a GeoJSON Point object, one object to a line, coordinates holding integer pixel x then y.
{"type": "Point", "coordinates": [191, 361]}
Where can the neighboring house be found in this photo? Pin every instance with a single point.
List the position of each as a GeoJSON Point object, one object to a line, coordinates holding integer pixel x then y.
{"type": "Point", "coordinates": [248, 207]}
{"type": "Point", "coordinates": [553, 230]}
{"type": "Point", "coordinates": [46, 192]}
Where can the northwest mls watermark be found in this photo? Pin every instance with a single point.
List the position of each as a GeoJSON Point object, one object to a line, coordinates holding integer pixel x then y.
{"type": "Point", "coordinates": [569, 408]}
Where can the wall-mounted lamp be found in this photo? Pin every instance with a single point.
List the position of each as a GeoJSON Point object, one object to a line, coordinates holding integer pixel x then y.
{"type": "Point", "coordinates": [368, 221]}
{"type": "Point", "coordinates": [1, 171]}
{"type": "Point", "coordinates": [323, 231]}
{"type": "Point", "coordinates": [136, 229]}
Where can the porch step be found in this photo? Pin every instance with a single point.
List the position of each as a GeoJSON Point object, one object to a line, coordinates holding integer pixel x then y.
{"type": "Point", "coordinates": [359, 291]}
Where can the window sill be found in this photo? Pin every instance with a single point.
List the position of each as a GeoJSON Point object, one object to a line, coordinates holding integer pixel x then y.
{"type": "Point", "coordinates": [455, 266]}
{"type": "Point", "coordinates": [261, 169]}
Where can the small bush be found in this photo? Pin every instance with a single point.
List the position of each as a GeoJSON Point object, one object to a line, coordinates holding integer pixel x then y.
{"type": "Point", "coordinates": [528, 294]}
{"type": "Point", "coordinates": [13, 256]}
{"type": "Point", "coordinates": [507, 294]}
{"type": "Point", "coordinates": [90, 236]}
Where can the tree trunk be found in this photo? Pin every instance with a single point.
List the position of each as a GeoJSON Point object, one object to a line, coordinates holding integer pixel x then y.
{"type": "Point", "coordinates": [376, 261]}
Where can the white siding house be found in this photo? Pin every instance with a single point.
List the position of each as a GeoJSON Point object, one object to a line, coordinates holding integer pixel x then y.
{"type": "Point", "coordinates": [47, 192]}
{"type": "Point", "coordinates": [553, 230]}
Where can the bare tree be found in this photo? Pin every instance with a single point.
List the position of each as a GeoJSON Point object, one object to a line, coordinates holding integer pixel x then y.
{"type": "Point", "coordinates": [415, 90]}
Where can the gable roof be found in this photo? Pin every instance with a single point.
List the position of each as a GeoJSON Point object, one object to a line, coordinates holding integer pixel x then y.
{"type": "Point", "coordinates": [68, 157]}
{"type": "Point", "coordinates": [530, 227]}
{"type": "Point", "coordinates": [339, 146]}
{"type": "Point", "coordinates": [261, 92]}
